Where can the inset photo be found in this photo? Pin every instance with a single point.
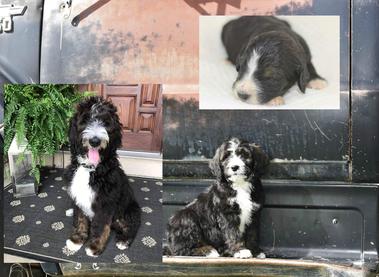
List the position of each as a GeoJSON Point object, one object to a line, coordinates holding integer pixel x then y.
{"type": "Point", "coordinates": [267, 62]}
{"type": "Point", "coordinates": [83, 173]}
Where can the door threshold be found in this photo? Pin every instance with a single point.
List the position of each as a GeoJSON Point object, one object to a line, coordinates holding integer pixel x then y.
{"type": "Point", "coordinates": [139, 154]}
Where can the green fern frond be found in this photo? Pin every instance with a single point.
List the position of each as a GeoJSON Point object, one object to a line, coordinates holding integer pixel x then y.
{"type": "Point", "coordinates": [40, 113]}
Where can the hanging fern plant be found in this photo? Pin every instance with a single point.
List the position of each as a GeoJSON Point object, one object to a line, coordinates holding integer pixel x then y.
{"type": "Point", "coordinates": [39, 113]}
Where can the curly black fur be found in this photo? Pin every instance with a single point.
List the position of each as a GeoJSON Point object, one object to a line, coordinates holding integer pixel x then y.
{"type": "Point", "coordinates": [213, 220]}
{"type": "Point", "coordinates": [114, 205]}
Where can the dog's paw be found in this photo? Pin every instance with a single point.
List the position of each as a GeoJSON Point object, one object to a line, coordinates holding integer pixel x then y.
{"type": "Point", "coordinates": [73, 246]}
{"type": "Point", "coordinates": [122, 245]}
{"type": "Point", "coordinates": [317, 84]}
{"type": "Point", "coordinates": [70, 212]}
{"type": "Point", "coordinates": [261, 256]}
{"type": "Point", "coordinates": [91, 252]}
{"type": "Point", "coordinates": [277, 101]}
{"type": "Point", "coordinates": [243, 254]}
{"type": "Point", "coordinates": [213, 254]}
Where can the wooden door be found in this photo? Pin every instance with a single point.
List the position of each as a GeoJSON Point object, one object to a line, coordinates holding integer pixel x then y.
{"type": "Point", "coordinates": [140, 111]}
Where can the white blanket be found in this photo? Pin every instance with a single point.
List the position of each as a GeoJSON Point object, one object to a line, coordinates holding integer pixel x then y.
{"type": "Point", "coordinates": [322, 34]}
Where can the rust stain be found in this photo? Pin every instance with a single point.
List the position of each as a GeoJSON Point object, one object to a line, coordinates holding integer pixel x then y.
{"type": "Point", "coordinates": [182, 97]}
{"type": "Point", "coordinates": [146, 46]}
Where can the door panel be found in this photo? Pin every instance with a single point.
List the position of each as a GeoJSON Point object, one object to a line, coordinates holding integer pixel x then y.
{"type": "Point", "coordinates": [139, 108]}
{"type": "Point", "coordinates": [126, 109]}
{"type": "Point", "coordinates": [149, 96]}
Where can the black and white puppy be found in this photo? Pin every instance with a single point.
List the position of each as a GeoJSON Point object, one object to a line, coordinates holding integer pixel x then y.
{"type": "Point", "coordinates": [103, 199]}
{"type": "Point", "coordinates": [224, 221]}
{"type": "Point", "coordinates": [270, 58]}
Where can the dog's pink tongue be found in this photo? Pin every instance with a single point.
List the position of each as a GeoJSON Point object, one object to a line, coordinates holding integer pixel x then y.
{"type": "Point", "coordinates": [93, 156]}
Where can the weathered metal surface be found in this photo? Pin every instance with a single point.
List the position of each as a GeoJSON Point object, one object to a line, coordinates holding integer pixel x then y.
{"type": "Point", "coordinates": [20, 48]}
{"type": "Point", "coordinates": [292, 138]}
{"type": "Point", "coordinates": [121, 42]}
{"type": "Point", "coordinates": [365, 36]}
{"type": "Point", "coordinates": [300, 170]}
{"type": "Point", "coordinates": [130, 42]}
{"type": "Point", "coordinates": [365, 136]}
{"type": "Point", "coordinates": [109, 45]}
{"type": "Point", "coordinates": [365, 91]}
{"type": "Point", "coordinates": [217, 267]}
{"type": "Point", "coordinates": [294, 135]}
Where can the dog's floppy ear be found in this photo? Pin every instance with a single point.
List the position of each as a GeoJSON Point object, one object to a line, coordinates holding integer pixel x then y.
{"type": "Point", "coordinates": [116, 132]}
{"type": "Point", "coordinates": [261, 160]}
{"type": "Point", "coordinates": [238, 62]}
{"type": "Point", "coordinates": [238, 67]}
{"type": "Point", "coordinates": [303, 77]}
{"type": "Point", "coordinates": [73, 133]}
{"type": "Point", "coordinates": [242, 56]}
{"type": "Point", "coordinates": [215, 164]}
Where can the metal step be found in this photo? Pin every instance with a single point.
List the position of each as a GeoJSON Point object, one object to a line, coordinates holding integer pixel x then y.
{"type": "Point", "coordinates": [336, 221]}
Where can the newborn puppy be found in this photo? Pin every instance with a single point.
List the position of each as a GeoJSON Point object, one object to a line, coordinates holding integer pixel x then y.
{"type": "Point", "coordinates": [225, 219]}
{"type": "Point", "coordinates": [269, 57]}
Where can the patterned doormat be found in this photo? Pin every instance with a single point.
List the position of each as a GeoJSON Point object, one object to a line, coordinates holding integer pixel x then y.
{"type": "Point", "coordinates": [37, 226]}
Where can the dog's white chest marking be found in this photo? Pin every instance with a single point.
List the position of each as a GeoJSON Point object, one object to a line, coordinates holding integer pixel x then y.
{"type": "Point", "coordinates": [248, 83]}
{"type": "Point", "coordinates": [81, 192]}
{"type": "Point", "coordinates": [243, 199]}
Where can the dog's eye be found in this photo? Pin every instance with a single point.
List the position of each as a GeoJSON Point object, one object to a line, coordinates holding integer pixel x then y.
{"type": "Point", "coordinates": [226, 155]}
{"type": "Point", "coordinates": [244, 153]}
{"type": "Point", "coordinates": [82, 124]}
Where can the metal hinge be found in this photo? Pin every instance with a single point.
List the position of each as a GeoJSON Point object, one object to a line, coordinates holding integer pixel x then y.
{"type": "Point", "coordinates": [6, 13]}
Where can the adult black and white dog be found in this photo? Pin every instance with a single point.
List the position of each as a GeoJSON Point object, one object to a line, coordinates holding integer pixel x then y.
{"type": "Point", "coordinates": [270, 58]}
{"type": "Point", "coordinates": [224, 221]}
{"type": "Point", "coordinates": [103, 199]}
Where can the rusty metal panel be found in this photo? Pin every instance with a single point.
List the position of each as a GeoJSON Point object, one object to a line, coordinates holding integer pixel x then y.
{"type": "Point", "coordinates": [121, 42]}
{"type": "Point", "coordinates": [109, 45]}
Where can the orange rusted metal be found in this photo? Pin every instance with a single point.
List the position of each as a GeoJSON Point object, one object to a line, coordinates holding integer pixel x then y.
{"type": "Point", "coordinates": [134, 41]}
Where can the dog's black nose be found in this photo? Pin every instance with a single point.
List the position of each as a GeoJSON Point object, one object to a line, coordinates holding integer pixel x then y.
{"type": "Point", "coordinates": [235, 168]}
{"type": "Point", "coordinates": [94, 142]}
{"type": "Point", "coordinates": [243, 95]}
